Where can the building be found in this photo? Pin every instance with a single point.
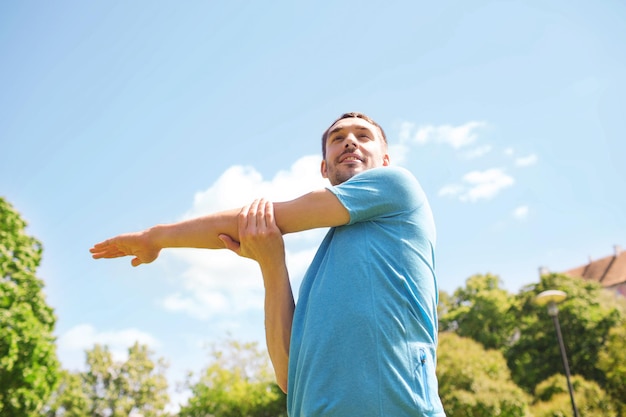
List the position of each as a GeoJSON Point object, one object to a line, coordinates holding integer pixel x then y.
{"type": "Point", "coordinates": [609, 271]}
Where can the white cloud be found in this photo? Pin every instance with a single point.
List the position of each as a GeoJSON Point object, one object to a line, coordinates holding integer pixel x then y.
{"type": "Point", "coordinates": [526, 160]}
{"type": "Point", "coordinates": [239, 185]}
{"type": "Point", "coordinates": [486, 184]}
{"type": "Point", "coordinates": [406, 128]}
{"type": "Point", "coordinates": [522, 161]}
{"type": "Point", "coordinates": [520, 212]}
{"type": "Point", "coordinates": [398, 153]}
{"type": "Point", "coordinates": [477, 152]}
{"type": "Point", "coordinates": [215, 283]}
{"type": "Point", "coordinates": [219, 283]}
{"type": "Point", "coordinates": [479, 185]}
{"type": "Point", "coordinates": [455, 136]}
{"type": "Point", "coordinates": [410, 135]}
{"type": "Point", "coordinates": [451, 190]}
{"type": "Point", "coordinates": [73, 343]}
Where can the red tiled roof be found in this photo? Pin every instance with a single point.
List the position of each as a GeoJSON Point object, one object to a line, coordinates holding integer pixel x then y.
{"type": "Point", "coordinates": [608, 271]}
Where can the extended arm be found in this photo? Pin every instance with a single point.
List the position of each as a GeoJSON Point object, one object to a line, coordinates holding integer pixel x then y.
{"type": "Point", "coordinates": [261, 240]}
{"type": "Point", "coordinates": [316, 209]}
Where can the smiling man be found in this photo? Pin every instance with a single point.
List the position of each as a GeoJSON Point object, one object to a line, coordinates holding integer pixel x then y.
{"type": "Point", "coordinates": [352, 145]}
{"type": "Point", "coordinates": [362, 339]}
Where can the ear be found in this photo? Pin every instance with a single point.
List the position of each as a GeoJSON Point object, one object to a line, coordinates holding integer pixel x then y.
{"type": "Point", "coordinates": [323, 169]}
{"type": "Point", "coordinates": [386, 160]}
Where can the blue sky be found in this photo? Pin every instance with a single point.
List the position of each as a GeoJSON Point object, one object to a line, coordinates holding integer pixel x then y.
{"type": "Point", "coordinates": [115, 116]}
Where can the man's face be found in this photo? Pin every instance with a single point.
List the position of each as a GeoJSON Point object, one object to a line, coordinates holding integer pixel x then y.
{"type": "Point", "coordinates": [353, 145]}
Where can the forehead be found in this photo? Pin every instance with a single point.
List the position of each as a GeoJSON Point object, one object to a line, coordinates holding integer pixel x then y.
{"type": "Point", "coordinates": [352, 123]}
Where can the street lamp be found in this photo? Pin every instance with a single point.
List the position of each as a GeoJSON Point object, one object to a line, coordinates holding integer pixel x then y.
{"type": "Point", "coordinates": [551, 298]}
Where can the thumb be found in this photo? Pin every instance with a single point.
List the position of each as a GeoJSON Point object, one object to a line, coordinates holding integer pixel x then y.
{"type": "Point", "coordinates": [229, 242]}
{"type": "Point", "coordinates": [135, 262]}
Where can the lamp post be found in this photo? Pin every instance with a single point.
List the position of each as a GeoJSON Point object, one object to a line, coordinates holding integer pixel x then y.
{"type": "Point", "coordinates": [551, 298]}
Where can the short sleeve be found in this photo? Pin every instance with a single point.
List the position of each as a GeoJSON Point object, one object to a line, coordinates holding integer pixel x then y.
{"type": "Point", "coordinates": [379, 192]}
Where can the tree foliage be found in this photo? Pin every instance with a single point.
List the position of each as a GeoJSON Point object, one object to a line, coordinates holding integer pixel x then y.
{"type": "Point", "coordinates": [70, 398]}
{"type": "Point", "coordinates": [593, 324]}
{"type": "Point", "coordinates": [28, 362]}
{"type": "Point", "coordinates": [481, 311]}
{"type": "Point", "coordinates": [475, 382]}
{"type": "Point", "coordinates": [110, 388]}
{"type": "Point", "coordinates": [612, 361]}
{"type": "Point", "coordinates": [238, 382]}
{"type": "Point", "coordinates": [553, 399]}
{"type": "Point", "coordinates": [586, 317]}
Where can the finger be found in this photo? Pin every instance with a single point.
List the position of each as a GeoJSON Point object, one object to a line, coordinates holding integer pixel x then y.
{"type": "Point", "coordinates": [230, 243]}
{"type": "Point", "coordinates": [260, 216]}
{"type": "Point", "coordinates": [108, 248]}
{"type": "Point", "coordinates": [243, 218]}
{"type": "Point", "coordinates": [109, 253]}
{"type": "Point", "coordinates": [269, 212]}
{"type": "Point", "coordinates": [99, 245]}
{"type": "Point", "coordinates": [99, 249]}
{"type": "Point", "coordinates": [106, 255]}
{"type": "Point", "coordinates": [253, 215]}
{"type": "Point", "coordinates": [136, 262]}
{"type": "Point", "coordinates": [105, 244]}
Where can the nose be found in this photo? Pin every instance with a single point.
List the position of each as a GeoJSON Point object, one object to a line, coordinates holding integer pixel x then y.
{"type": "Point", "coordinates": [350, 141]}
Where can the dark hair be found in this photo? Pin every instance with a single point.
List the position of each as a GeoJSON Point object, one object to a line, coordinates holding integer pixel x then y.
{"type": "Point", "coordinates": [347, 116]}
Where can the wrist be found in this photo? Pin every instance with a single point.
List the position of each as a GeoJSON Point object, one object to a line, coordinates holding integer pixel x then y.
{"type": "Point", "coordinates": [156, 235]}
{"type": "Point", "coordinates": [274, 274]}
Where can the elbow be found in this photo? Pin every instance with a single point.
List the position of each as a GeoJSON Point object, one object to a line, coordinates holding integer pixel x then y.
{"type": "Point", "coordinates": [282, 383]}
{"type": "Point", "coordinates": [283, 388]}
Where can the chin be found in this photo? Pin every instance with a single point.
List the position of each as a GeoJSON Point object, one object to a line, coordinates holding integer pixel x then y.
{"type": "Point", "coordinates": [341, 177]}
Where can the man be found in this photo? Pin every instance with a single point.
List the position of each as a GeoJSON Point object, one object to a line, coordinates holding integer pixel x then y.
{"type": "Point", "coordinates": [362, 339]}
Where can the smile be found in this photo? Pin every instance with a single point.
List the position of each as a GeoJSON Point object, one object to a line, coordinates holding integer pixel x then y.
{"type": "Point", "coordinates": [350, 158]}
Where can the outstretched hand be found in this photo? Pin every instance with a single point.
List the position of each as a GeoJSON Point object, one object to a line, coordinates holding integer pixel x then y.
{"type": "Point", "coordinates": [259, 236]}
{"type": "Point", "coordinates": [131, 244]}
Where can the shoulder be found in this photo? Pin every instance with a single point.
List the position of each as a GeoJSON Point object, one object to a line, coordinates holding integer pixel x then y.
{"type": "Point", "coordinates": [380, 181]}
{"type": "Point", "coordinates": [388, 173]}
{"type": "Point", "coordinates": [388, 179]}
{"type": "Point", "coordinates": [379, 191]}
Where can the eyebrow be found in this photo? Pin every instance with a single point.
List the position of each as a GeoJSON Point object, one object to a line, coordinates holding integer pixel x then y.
{"type": "Point", "coordinates": [339, 129]}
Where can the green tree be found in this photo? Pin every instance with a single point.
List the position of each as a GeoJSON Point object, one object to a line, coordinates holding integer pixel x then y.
{"type": "Point", "coordinates": [28, 362]}
{"type": "Point", "coordinates": [586, 316]}
{"type": "Point", "coordinates": [481, 311]}
{"type": "Point", "coordinates": [553, 400]}
{"type": "Point", "coordinates": [239, 382]}
{"type": "Point", "coordinates": [475, 382]}
{"type": "Point", "coordinates": [612, 361]}
{"type": "Point", "coordinates": [110, 388]}
{"type": "Point", "coordinates": [70, 398]}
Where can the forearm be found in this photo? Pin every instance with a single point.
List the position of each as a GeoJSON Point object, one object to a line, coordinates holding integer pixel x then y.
{"type": "Point", "coordinates": [201, 232]}
{"type": "Point", "coordinates": [313, 210]}
{"type": "Point", "coordinates": [279, 308]}
{"type": "Point", "coordinates": [316, 209]}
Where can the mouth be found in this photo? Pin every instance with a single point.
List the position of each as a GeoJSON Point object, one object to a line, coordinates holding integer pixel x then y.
{"type": "Point", "coordinates": [350, 158]}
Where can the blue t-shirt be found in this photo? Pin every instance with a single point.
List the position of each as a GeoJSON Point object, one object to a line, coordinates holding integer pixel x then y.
{"type": "Point", "coordinates": [364, 333]}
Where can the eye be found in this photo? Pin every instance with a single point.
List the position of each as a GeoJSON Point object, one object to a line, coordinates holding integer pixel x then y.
{"type": "Point", "coordinates": [337, 138]}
